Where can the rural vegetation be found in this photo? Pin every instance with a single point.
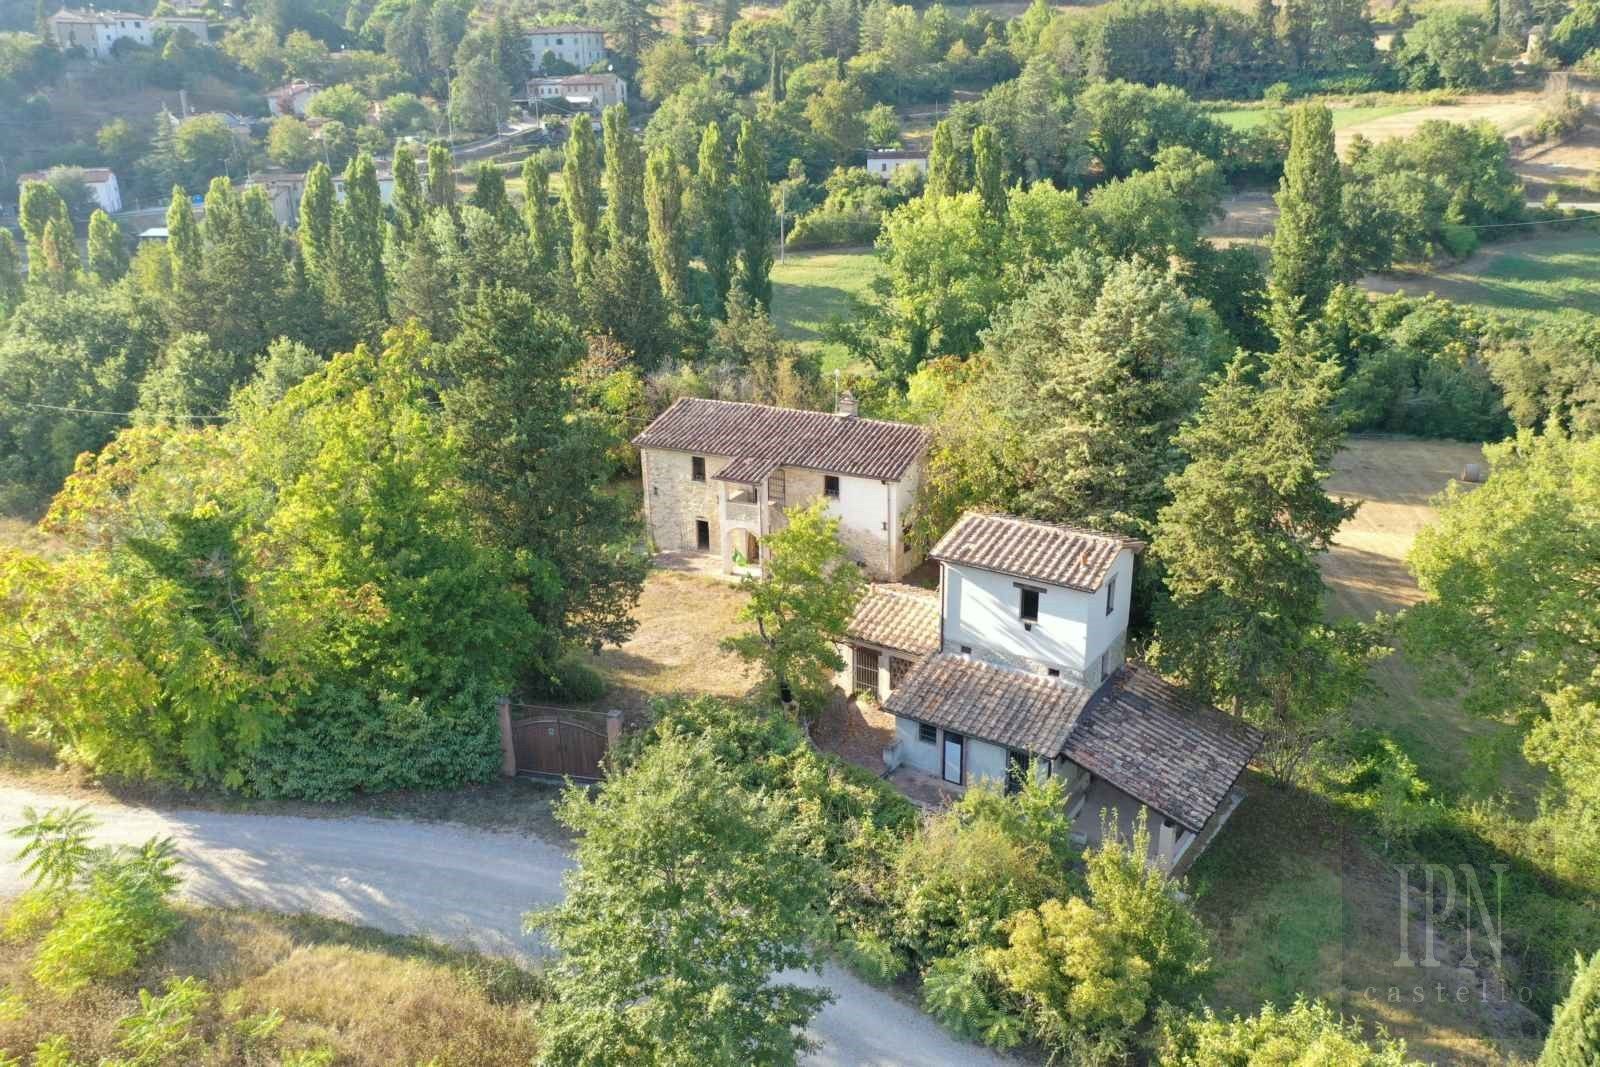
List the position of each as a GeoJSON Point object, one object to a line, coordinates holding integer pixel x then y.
{"type": "Point", "coordinates": [321, 482]}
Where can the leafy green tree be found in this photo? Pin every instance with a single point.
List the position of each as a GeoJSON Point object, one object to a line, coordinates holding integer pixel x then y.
{"type": "Point", "coordinates": [630, 25]}
{"type": "Point", "coordinates": [667, 66]}
{"type": "Point", "coordinates": [883, 126]}
{"type": "Point", "coordinates": [1127, 124]}
{"type": "Point", "coordinates": [624, 177]}
{"type": "Point", "coordinates": [990, 183]}
{"type": "Point", "coordinates": [204, 146]}
{"type": "Point", "coordinates": [290, 142]}
{"type": "Point", "coordinates": [663, 191]}
{"type": "Point", "coordinates": [1449, 48]}
{"type": "Point", "coordinates": [317, 209]}
{"type": "Point", "coordinates": [1307, 239]}
{"type": "Point", "coordinates": [689, 894]}
{"type": "Point", "coordinates": [410, 200]}
{"type": "Point", "coordinates": [354, 283]}
{"type": "Point", "coordinates": [800, 606]}
{"type": "Point", "coordinates": [753, 216]}
{"type": "Point", "coordinates": [108, 249]}
{"type": "Point", "coordinates": [835, 117]}
{"type": "Point", "coordinates": [343, 103]}
{"type": "Point", "coordinates": [544, 236]}
{"type": "Point", "coordinates": [479, 96]}
{"type": "Point", "coordinates": [58, 263]}
{"type": "Point", "coordinates": [537, 483]}
{"type": "Point", "coordinates": [441, 176]}
{"type": "Point", "coordinates": [190, 383]}
{"type": "Point", "coordinates": [39, 205]}
{"type": "Point", "coordinates": [713, 188]}
{"type": "Point", "coordinates": [580, 190]}
{"type": "Point", "coordinates": [1204, 1040]}
{"type": "Point", "coordinates": [946, 168]}
{"type": "Point", "coordinates": [1574, 1039]}
{"type": "Point", "coordinates": [489, 192]}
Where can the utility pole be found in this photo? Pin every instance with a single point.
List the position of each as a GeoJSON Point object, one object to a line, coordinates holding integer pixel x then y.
{"type": "Point", "coordinates": [783, 203]}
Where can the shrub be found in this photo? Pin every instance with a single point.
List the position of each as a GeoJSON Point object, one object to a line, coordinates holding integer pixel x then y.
{"type": "Point", "coordinates": [162, 1030]}
{"type": "Point", "coordinates": [1309, 1029]}
{"type": "Point", "coordinates": [107, 927]}
{"type": "Point", "coordinates": [1575, 1037]}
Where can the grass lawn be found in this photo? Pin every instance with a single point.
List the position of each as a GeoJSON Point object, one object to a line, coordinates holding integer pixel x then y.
{"type": "Point", "coordinates": [1539, 280]}
{"type": "Point", "coordinates": [1250, 118]}
{"type": "Point", "coordinates": [811, 287]}
{"type": "Point", "coordinates": [358, 997]}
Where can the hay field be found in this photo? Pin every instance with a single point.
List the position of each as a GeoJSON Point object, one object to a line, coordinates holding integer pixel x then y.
{"type": "Point", "coordinates": [1507, 112]}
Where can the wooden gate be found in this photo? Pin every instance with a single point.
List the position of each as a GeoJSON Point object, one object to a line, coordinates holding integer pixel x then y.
{"type": "Point", "coordinates": [564, 742]}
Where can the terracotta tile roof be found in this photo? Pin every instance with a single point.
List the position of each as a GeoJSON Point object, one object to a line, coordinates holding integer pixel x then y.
{"type": "Point", "coordinates": [999, 704]}
{"type": "Point", "coordinates": [901, 617]}
{"type": "Point", "coordinates": [815, 440]}
{"type": "Point", "coordinates": [1149, 739]}
{"type": "Point", "coordinates": [1026, 548]}
{"type": "Point", "coordinates": [747, 471]}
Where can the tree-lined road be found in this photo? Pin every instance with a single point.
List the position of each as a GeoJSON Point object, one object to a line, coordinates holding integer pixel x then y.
{"type": "Point", "coordinates": [451, 882]}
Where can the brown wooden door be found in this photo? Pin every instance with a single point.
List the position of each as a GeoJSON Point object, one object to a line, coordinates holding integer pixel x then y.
{"type": "Point", "coordinates": [559, 741]}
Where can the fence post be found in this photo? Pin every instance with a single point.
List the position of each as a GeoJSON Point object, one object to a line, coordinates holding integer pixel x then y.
{"type": "Point", "coordinates": [613, 727]}
{"type": "Point", "coordinates": [508, 750]}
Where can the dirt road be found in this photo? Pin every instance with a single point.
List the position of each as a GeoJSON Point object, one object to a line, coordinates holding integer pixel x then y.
{"type": "Point", "coordinates": [462, 885]}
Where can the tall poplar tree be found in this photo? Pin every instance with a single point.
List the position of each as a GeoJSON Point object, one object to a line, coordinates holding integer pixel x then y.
{"type": "Point", "coordinates": [108, 249]}
{"type": "Point", "coordinates": [1306, 242]}
{"type": "Point", "coordinates": [441, 176]}
{"type": "Point", "coordinates": [987, 168]}
{"type": "Point", "coordinates": [717, 237]}
{"type": "Point", "coordinates": [944, 162]}
{"type": "Point", "coordinates": [410, 202]}
{"type": "Point", "coordinates": [316, 219]}
{"type": "Point", "coordinates": [489, 192]}
{"type": "Point", "coordinates": [753, 200]}
{"type": "Point", "coordinates": [580, 189]}
{"type": "Point", "coordinates": [185, 246]}
{"type": "Point", "coordinates": [38, 205]}
{"type": "Point", "coordinates": [58, 255]}
{"type": "Point", "coordinates": [625, 213]}
{"type": "Point", "coordinates": [537, 214]}
{"type": "Point", "coordinates": [663, 194]}
{"type": "Point", "coordinates": [10, 275]}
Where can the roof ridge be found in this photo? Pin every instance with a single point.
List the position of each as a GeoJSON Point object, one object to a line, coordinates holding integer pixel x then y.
{"type": "Point", "coordinates": [1067, 527]}
{"type": "Point", "coordinates": [857, 419]}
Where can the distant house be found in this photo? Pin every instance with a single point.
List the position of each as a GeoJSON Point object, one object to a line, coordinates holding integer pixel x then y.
{"type": "Point", "coordinates": [581, 46]}
{"type": "Point", "coordinates": [883, 162]}
{"type": "Point", "coordinates": [591, 92]}
{"type": "Point", "coordinates": [1019, 669]}
{"type": "Point", "coordinates": [102, 183]}
{"type": "Point", "coordinates": [97, 31]}
{"type": "Point", "coordinates": [285, 188]}
{"type": "Point", "coordinates": [198, 25]}
{"type": "Point", "coordinates": [291, 99]}
{"type": "Point", "coordinates": [719, 476]}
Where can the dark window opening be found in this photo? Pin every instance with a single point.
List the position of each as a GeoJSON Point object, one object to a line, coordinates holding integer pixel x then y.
{"type": "Point", "coordinates": [702, 535]}
{"type": "Point", "coordinates": [830, 486]}
{"type": "Point", "coordinates": [898, 669]}
{"type": "Point", "coordinates": [1029, 611]}
{"type": "Point", "coordinates": [1111, 595]}
{"type": "Point", "coordinates": [697, 468]}
{"type": "Point", "coordinates": [867, 669]}
{"type": "Point", "coordinates": [927, 733]}
{"type": "Point", "coordinates": [1054, 672]}
{"type": "Point", "coordinates": [966, 650]}
{"type": "Point", "coordinates": [1016, 770]}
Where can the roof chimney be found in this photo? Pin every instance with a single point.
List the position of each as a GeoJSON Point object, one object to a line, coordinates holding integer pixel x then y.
{"type": "Point", "coordinates": [846, 406]}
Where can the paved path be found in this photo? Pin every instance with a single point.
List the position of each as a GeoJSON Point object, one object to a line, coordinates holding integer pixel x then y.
{"type": "Point", "coordinates": [462, 885]}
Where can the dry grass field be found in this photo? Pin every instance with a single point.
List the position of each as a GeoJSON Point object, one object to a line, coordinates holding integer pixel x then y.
{"type": "Point", "coordinates": [1507, 112]}
{"type": "Point", "coordinates": [286, 987]}
{"type": "Point", "coordinates": [682, 617]}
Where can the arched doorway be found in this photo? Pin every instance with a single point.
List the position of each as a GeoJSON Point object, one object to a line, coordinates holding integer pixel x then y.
{"type": "Point", "coordinates": [742, 548]}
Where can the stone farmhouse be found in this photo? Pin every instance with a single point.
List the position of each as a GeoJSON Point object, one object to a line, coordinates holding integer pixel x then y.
{"type": "Point", "coordinates": [718, 476]}
{"type": "Point", "coordinates": [581, 46]}
{"type": "Point", "coordinates": [1017, 666]}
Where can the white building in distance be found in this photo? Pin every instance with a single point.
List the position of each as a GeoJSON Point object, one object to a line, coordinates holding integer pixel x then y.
{"type": "Point", "coordinates": [102, 183]}
{"type": "Point", "coordinates": [582, 46]}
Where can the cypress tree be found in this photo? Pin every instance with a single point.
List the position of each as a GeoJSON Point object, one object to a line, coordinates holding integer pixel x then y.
{"type": "Point", "coordinates": [580, 191]}
{"type": "Point", "coordinates": [990, 182]}
{"type": "Point", "coordinates": [316, 218]}
{"type": "Point", "coordinates": [409, 200]}
{"type": "Point", "coordinates": [441, 176]}
{"type": "Point", "coordinates": [543, 235]}
{"type": "Point", "coordinates": [108, 251]}
{"type": "Point", "coordinates": [1574, 1039]}
{"type": "Point", "coordinates": [360, 224]}
{"type": "Point", "coordinates": [753, 197]}
{"type": "Point", "coordinates": [717, 239]}
{"type": "Point", "coordinates": [1305, 245]}
{"type": "Point", "coordinates": [625, 214]}
{"type": "Point", "coordinates": [944, 162]}
{"type": "Point", "coordinates": [39, 204]}
{"type": "Point", "coordinates": [489, 192]}
{"type": "Point", "coordinates": [663, 194]}
{"type": "Point", "coordinates": [10, 275]}
{"type": "Point", "coordinates": [184, 245]}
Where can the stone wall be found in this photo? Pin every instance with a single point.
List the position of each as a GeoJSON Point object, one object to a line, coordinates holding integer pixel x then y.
{"type": "Point", "coordinates": [673, 500]}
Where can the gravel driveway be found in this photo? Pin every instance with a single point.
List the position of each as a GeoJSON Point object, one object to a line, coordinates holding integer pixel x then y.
{"type": "Point", "coordinates": [462, 885]}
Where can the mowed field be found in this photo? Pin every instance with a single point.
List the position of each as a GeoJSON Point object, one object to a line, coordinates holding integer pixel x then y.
{"type": "Point", "coordinates": [809, 288]}
{"type": "Point", "coordinates": [1549, 277]}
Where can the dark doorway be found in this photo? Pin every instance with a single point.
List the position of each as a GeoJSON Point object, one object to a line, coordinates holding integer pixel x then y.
{"type": "Point", "coordinates": [702, 535]}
